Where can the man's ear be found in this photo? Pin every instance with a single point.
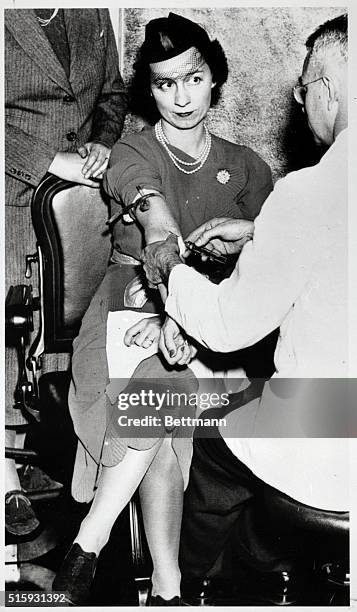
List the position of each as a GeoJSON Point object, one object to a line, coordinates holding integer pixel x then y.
{"type": "Point", "coordinates": [331, 91]}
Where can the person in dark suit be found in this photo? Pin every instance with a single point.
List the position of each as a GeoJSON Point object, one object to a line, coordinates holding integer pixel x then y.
{"type": "Point", "coordinates": [65, 104]}
{"type": "Point", "coordinates": [64, 97]}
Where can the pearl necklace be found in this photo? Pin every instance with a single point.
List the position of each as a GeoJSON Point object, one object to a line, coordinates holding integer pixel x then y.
{"type": "Point", "coordinates": [199, 162]}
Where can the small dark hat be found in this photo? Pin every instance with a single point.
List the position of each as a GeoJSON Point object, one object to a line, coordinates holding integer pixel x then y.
{"type": "Point", "coordinates": [169, 36]}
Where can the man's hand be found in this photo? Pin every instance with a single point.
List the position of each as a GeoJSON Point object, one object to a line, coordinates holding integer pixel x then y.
{"type": "Point", "coordinates": [223, 235]}
{"type": "Point", "coordinates": [68, 166]}
{"type": "Point", "coordinates": [97, 159]}
{"type": "Point", "coordinates": [174, 346]}
{"type": "Point", "coordinates": [144, 333]}
{"type": "Point", "coordinates": [159, 258]}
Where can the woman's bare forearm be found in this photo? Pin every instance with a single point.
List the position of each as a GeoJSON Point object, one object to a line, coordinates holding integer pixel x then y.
{"type": "Point", "coordinates": [156, 219]}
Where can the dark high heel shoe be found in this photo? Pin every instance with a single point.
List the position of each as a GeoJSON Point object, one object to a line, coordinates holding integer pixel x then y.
{"type": "Point", "coordinates": [75, 575]}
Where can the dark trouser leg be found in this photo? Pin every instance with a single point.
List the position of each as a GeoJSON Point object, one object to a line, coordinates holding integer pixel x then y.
{"type": "Point", "coordinates": [223, 500]}
{"type": "Point", "coordinates": [219, 488]}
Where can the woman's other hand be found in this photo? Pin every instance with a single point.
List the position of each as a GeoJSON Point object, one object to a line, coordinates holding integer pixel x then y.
{"type": "Point", "coordinates": [222, 235]}
{"type": "Point", "coordinates": [174, 346]}
{"type": "Point", "coordinates": [97, 156]}
{"type": "Point", "coordinates": [144, 333]}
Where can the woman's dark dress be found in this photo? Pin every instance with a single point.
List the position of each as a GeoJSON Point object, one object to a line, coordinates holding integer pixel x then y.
{"type": "Point", "coordinates": [193, 199]}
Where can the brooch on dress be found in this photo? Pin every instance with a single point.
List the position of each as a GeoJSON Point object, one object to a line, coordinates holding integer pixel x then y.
{"type": "Point", "coordinates": [223, 176]}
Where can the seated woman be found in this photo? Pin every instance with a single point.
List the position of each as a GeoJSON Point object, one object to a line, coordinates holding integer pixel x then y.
{"type": "Point", "coordinates": [169, 178]}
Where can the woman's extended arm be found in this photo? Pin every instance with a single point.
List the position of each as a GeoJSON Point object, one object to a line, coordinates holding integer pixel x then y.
{"type": "Point", "coordinates": [154, 216]}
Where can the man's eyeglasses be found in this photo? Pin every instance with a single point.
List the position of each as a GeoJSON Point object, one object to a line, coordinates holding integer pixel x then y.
{"type": "Point", "coordinates": [300, 91]}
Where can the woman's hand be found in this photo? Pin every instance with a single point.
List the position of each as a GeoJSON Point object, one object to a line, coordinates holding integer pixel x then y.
{"type": "Point", "coordinates": [173, 345]}
{"type": "Point", "coordinates": [223, 235]}
{"type": "Point", "coordinates": [97, 156]}
{"type": "Point", "coordinates": [144, 333]}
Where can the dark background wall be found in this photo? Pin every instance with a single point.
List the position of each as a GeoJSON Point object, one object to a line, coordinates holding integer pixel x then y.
{"type": "Point", "coordinates": [265, 51]}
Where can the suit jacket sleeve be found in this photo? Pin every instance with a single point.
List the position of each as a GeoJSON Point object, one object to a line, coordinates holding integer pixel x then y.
{"type": "Point", "coordinates": [27, 158]}
{"type": "Point", "coordinates": [112, 104]}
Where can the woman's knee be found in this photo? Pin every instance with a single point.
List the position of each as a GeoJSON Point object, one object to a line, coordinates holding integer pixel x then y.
{"type": "Point", "coordinates": [165, 463]}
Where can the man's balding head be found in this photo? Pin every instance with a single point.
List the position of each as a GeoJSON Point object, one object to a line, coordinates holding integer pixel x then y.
{"type": "Point", "coordinates": [326, 99]}
{"type": "Point", "coordinates": [330, 39]}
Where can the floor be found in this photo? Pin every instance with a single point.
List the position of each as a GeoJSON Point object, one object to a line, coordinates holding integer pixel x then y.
{"type": "Point", "coordinates": [114, 583]}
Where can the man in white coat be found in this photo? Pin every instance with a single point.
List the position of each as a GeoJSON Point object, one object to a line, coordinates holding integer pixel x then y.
{"type": "Point", "coordinates": [292, 274]}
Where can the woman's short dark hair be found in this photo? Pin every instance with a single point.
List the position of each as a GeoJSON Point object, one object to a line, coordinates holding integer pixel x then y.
{"type": "Point", "coordinates": [166, 38]}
